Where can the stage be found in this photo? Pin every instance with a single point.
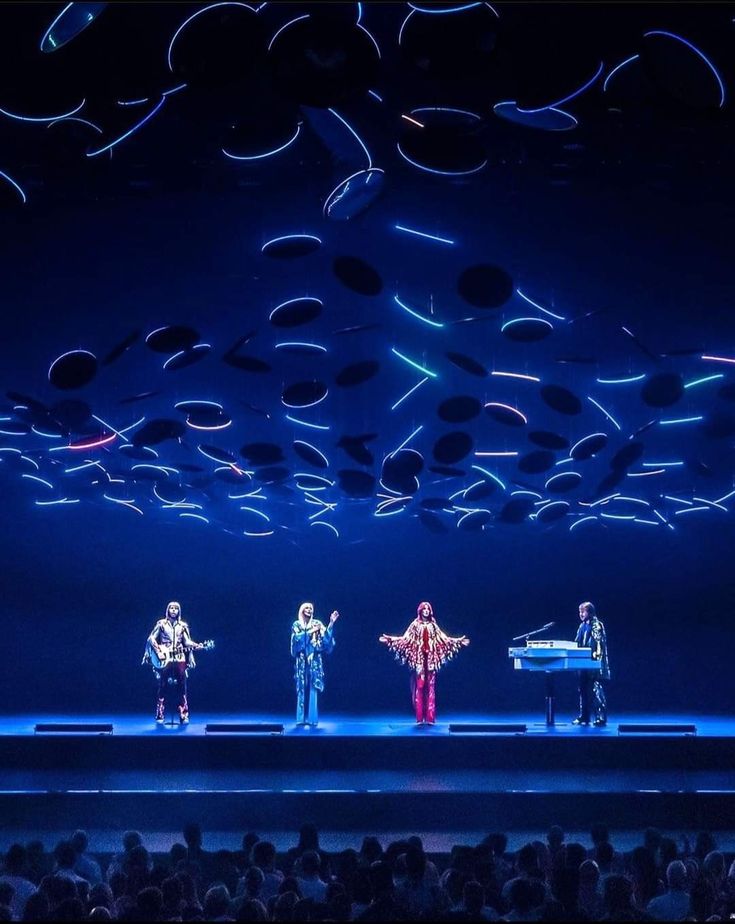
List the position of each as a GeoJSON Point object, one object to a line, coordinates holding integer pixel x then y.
{"type": "Point", "coordinates": [383, 774]}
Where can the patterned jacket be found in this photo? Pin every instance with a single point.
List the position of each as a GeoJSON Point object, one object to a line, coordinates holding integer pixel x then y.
{"type": "Point", "coordinates": [591, 634]}
{"type": "Point", "coordinates": [424, 634]}
{"type": "Point", "coordinates": [307, 646]}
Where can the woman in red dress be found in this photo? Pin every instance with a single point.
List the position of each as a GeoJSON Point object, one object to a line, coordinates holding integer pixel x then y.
{"type": "Point", "coordinates": [424, 648]}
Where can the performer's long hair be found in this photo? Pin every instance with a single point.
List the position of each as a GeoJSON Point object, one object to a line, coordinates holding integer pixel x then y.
{"type": "Point", "coordinates": [590, 607]}
{"type": "Point", "coordinates": [301, 610]}
{"type": "Point", "coordinates": [431, 610]}
{"type": "Point", "coordinates": [170, 604]}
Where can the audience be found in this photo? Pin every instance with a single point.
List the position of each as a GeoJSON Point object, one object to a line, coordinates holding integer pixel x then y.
{"type": "Point", "coordinates": [546, 880]}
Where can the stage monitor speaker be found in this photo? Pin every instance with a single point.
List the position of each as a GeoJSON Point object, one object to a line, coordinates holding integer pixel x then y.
{"type": "Point", "coordinates": [244, 728]}
{"type": "Point", "coordinates": [485, 728]}
{"type": "Point", "coordinates": [657, 729]}
{"type": "Point", "coordinates": [73, 728]}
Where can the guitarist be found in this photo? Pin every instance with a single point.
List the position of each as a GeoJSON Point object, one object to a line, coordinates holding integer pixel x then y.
{"type": "Point", "coordinates": [171, 643]}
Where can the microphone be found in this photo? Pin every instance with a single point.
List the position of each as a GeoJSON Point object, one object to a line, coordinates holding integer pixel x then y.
{"type": "Point", "coordinates": [549, 625]}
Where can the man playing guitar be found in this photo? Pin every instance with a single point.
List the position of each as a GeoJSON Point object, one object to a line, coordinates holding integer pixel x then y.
{"type": "Point", "coordinates": [170, 650]}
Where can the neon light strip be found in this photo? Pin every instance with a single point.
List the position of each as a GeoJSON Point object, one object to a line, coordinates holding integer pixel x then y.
{"type": "Point", "coordinates": [579, 442]}
{"type": "Point", "coordinates": [618, 516]}
{"type": "Point", "coordinates": [53, 118]}
{"type": "Point", "coordinates": [83, 121]}
{"type": "Point", "coordinates": [130, 131]}
{"type": "Point", "coordinates": [517, 375]}
{"type": "Point", "coordinates": [697, 51]}
{"type": "Point", "coordinates": [571, 96]}
{"type": "Point", "coordinates": [409, 392]}
{"type": "Point", "coordinates": [718, 359]}
{"type": "Point", "coordinates": [662, 464]}
{"type": "Point", "coordinates": [631, 378]}
{"type": "Point", "coordinates": [540, 307]}
{"type": "Point", "coordinates": [55, 503]}
{"type": "Point", "coordinates": [707, 378]}
{"type": "Point", "coordinates": [646, 522]}
{"type": "Point", "coordinates": [329, 205]}
{"type": "Point", "coordinates": [606, 413]}
{"type": "Point", "coordinates": [455, 9]}
{"type": "Point", "coordinates": [370, 36]}
{"type": "Point", "coordinates": [519, 320]}
{"type": "Point", "coordinates": [484, 471]}
{"type": "Point", "coordinates": [50, 28]}
{"type": "Point", "coordinates": [304, 423]}
{"type": "Point", "coordinates": [407, 440]}
{"type": "Point", "coordinates": [312, 404]}
{"type": "Point", "coordinates": [527, 493]}
{"type": "Point", "coordinates": [689, 510]}
{"type": "Point", "coordinates": [408, 118]}
{"type": "Point", "coordinates": [466, 112]}
{"type": "Point", "coordinates": [679, 420]}
{"type": "Point", "coordinates": [375, 96]}
{"type": "Point", "coordinates": [333, 528]}
{"type": "Point", "coordinates": [289, 237]}
{"type": "Point", "coordinates": [296, 343]}
{"type": "Point", "coordinates": [654, 471]}
{"type": "Point", "coordinates": [487, 454]}
{"type": "Point", "coordinates": [725, 497]}
{"type": "Point", "coordinates": [602, 500]}
{"type": "Point", "coordinates": [302, 298]}
{"type": "Point", "coordinates": [41, 480]}
{"type": "Point", "coordinates": [267, 153]}
{"type": "Point", "coordinates": [582, 520]}
{"type": "Point", "coordinates": [431, 237]}
{"type": "Point", "coordinates": [15, 185]}
{"type": "Point", "coordinates": [403, 25]}
{"type": "Point", "coordinates": [616, 69]}
{"type": "Point", "coordinates": [103, 441]}
{"type": "Point", "coordinates": [415, 365]}
{"type": "Point", "coordinates": [416, 314]}
{"type": "Point", "coordinates": [186, 22]}
{"type": "Point", "coordinates": [703, 500]}
{"type": "Point", "coordinates": [285, 26]}
{"type": "Point", "coordinates": [132, 102]}
{"type": "Point", "coordinates": [193, 516]}
{"type": "Point", "coordinates": [512, 102]}
{"type": "Point", "coordinates": [440, 172]}
{"type": "Point", "coordinates": [356, 136]}
{"type": "Point", "coordinates": [633, 500]}
{"type": "Point", "coordinates": [197, 346]}
{"type": "Point", "coordinates": [508, 407]}
{"type": "Point", "coordinates": [312, 447]}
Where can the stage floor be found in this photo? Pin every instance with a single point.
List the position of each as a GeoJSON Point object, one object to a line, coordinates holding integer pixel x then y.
{"type": "Point", "coordinates": [390, 726]}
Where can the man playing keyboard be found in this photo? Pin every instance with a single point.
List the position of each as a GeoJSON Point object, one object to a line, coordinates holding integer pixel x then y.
{"type": "Point", "coordinates": [591, 634]}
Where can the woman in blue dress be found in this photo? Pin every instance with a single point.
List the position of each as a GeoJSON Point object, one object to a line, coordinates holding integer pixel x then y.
{"type": "Point", "coordinates": [310, 639]}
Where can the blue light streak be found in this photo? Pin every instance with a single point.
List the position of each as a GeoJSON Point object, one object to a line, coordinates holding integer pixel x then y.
{"type": "Point", "coordinates": [344, 186]}
{"type": "Point", "coordinates": [440, 172]}
{"type": "Point", "coordinates": [560, 475]}
{"type": "Point", "coordinates": [129, 132]}
{"type": "Point", "coordinates": [409, 392]}
{"type": "Point", "coordinates": [415, 365]}
{"type": "Point", "coordinates": [83, 122]}
{"type": "Point", "coordinates": [606, 413]}
{"type": "Point", "coordinates": [371, 37]}
{"type": "Point", "coordinates": [305, 423]}
{"type": "Point", "coordinates": [707, 378]}
{"type": "Point", "coordinates": [267, 153]}
{"type": "Point", "coordinates": [571, 96]}
{"type": "Point", "coordinates": [725, 497]}
{"type": "Point", "coordinates": [132, 102]}
{"type": "Point", "coordinates": [333, 528]}
{"type": "Point", "coordinates": [633, 500]}
{"type": "Point", "coordinates": [698, 52]}
{"type": "Point", "coordinates": [197, 347]}
{"type": "Point", "coordinates": [415, 314]}
{"type": "Point", "coordinates": [689, 510]}
{"type": "Point", "coordinates": [48, 31]}
{"type": "Point", "coordinates": [406, 441]}
{"type": "Point", "coordinates": [297, 344]}
{"type": "Point", "coordinates": [312, 404]}
{"type": "Point", "coordinates": [388, 513]}
{"type": "Point", "coordinates": [314, 449]}
{"type": "Point", "coordinates": [15, 185]}
{"type": "Point", "coordinates": [56, 503]}
{"type": "Point", "coordinates": [40, 480]}
{"type": "Point", "coordinates": [465, 112]}
{"type": "Point", "coordinates": [653, 471]}
{"type": "Point", "coordinates": [258, 535]}
{"type": "Point", "coordinates": [718, 359]}
{"type": "Point", "coordinates": [646, 522]}
{"type": "Point", "coordinates": [479, 468]}
{"type": "Point", "coordinates": [194, 15]}
{"type": "Point", "coordinates": [584, 439]}
{"type": "Point", "coordinates": [680, 420]}
{"type": "Point", "coordinates": [616, 69]}
{"type": "Point", "coordinates": [514, 104]}
{"type": "Point", "coordinates": [623, 381]}
{"type": "Point", "coordinates": [375, 96]}
{"type": "Point", "coordinates": [52, 118]}
{"type": "Point", "coordinates": [193, 516]}
{"type": "Point", "coordinates": [259, 513]}
{"type": "Point", "coordinates": [285, 26]}
{"type": "Point", "coordinates": [493, 454]}
{"type": "Point", "coordinates": [517, 375]}
{"type": "Point", "coordinates": [291, 237]}
{"type": "Point", "coordinates": [403, 25]}
{"type": "Point", "coordinates": [662, 464]}
{"type": "Point", "coordinates": [301, 298]}
{"type": "Point", "coordinates": [540, 307]}
{"type": "Point", "coordinates": [354, 134]}
{"type": "Point", "coordinates": [703, 500]}
{"type": "Point", "coordinates": [580, 521]}
{"type": "Point", "coordinates": [618, 516]}
{"type": "Point", "coordinates": [513, 321]}
{"type": "Point", "coordinates": [526, 494]}
{"type": "Point", "coordinates": [431, 237]}
{"type": "Point", "coordinates": [452, 9]}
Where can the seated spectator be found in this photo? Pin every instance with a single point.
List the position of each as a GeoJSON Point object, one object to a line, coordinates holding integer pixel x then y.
{"type": "Point", "coordinates": [589, 898]}
{"type": "Point", "coordinates": [252, 910]}
{"type": "Point", "coordinates": [86, 866]}
{"type": "Point", "coordinates": [522, 901]}
{"type": "Point", "coordinates": [384, 906]}
{"type": "Point", "coordinates": [264, 857]}
{"type": "Point", "coordinates": [617, 900]}
{"type": "Point", "coordinates": [555, 839]}
{"type": "Point", "coordinates": [370, 852]}
{"type": "Point", "coordinates": [37, 908]}
{"type": "Point", "coordinates": [15, 875]}
{"type": "Point", "coordinates": [310, 885]}
{"type": "Point", "coordinates": [217, 904]}
{"type": "Point", "coordinates": [673, 905]}
{"type": "Point", "coordinates": [130, 839]}
{"type": "Point", "coordinates": [66, 858]}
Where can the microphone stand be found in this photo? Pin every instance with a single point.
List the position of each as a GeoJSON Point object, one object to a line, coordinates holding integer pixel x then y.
{"type": "Point", "coordinates": [534, 632]}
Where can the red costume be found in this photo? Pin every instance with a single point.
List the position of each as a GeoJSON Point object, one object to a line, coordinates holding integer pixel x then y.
{"type": "Point", "coordinates": [424, 648]}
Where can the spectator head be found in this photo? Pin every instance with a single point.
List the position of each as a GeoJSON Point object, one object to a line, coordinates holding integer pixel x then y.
{"type": "Point", "coordinates": [16, 859]}
{"type": "Point", "coordinates": [131, 839]}
{"type": "Point", "coordinates": [555, 838]}
{"type": "Point", "coordinates": [713, 865]}
{"type": "Point", "coordinates": [676, 876]}
{"type": "Point", "coordinates": [193, 836]}
{"type": "Point", "coordinates": [100, 895]}
{"type": "Point", "coordinates": [652, 839]}
{"type": "Point", "coordinates": [667, 851]}
{"type": "Point", "coordinates": [188, 887]}
{"type": "Point", "coordinates": [310, 863]}
{"type": "Point", "coordinates": [308, 837]}
{"type": "Point", "coordinates": [589, 875]}
{"type": "Point", "coordinates": [498, 843]}
{"type": "Point", "coordinates": [249, 841]}
{"type": "Point", "coordinates": [264, 854]}
{"type": "Point", "coordinates": [340, 908]}
{"type": "Point", "coordinates": [617, 893]}
{"type": "Point", "coordinates": [37, 908]}
{"type": "Point", "coordinates": [172, 892]}
{"type": "Point", "coordinates": [371, 851]}
{"type": "Point", "coordinates": [252, 910]}
{"type": "Point", "coordinates": [65, 855]}
{"type": "Point", "coordinates": [574, 855]}
{"type": "Point", "coordinates": [99, 913]}
{"type": "Point", "coordinates": [526, 859]}
{"type": "Point", "coordinates": [521, 897]}
{"type": "Point", "coordinates": [290, 884]}
{"type": "Point", "coordinates": [415, 863]}
{"type": "Point", "coordinates": [566, 887]}
{"type": "Point", "coordinates": [80, 841]}
{"type": "Point", "coordinates": [381, 878]}
{"type": "Point", "coordinates": [254, 879]}
{"type": "Point", "coordinates": [177, 853]}
{"type": "Point", "coordinates": [284, 905]}
{"type": "Point", "coordinates": [604, 854]}
{"type": "Point", "coordinates": [454, 883]}
{"type": "Point", "coordinates": [599, 834]}
{"type": "Point", "coordinates": [150, 903]}
{"type": "Point", "coordinates": [704, 844]}
{"type": "Point", "coordinates": [415, 841]}
{"type": "Point", "coordinates": [216, 902]}
{"type": "Point", "coordinates": [118, 884]}
{"type": "Point", "coordinates": [473, 897]}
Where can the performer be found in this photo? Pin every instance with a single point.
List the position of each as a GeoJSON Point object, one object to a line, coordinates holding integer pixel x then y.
{"type": "Point", "coordinates": [310, 638]}
{"type": "Point", "coordinates": [591, 634]}
{"type": "Point", "coordinates": [424, 648]}
{"type": "Point", "coordinates": [170, 642]}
